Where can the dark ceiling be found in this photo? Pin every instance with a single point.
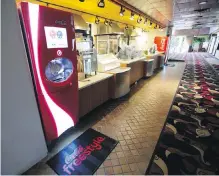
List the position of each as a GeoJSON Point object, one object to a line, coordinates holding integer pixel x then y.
{"type": "Point", "coordinates": [193, 14]}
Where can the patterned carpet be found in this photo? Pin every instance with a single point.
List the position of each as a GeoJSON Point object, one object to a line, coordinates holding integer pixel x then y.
{"type": "Point", "coordinates": [189, 141]}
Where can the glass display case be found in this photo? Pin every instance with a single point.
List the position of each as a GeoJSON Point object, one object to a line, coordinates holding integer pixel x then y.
{"type": "Point", "coordinates": [108, 43]}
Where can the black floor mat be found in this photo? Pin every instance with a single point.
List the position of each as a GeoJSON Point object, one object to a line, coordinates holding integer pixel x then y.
{"type": "Point", "coordinates": [84, 155]}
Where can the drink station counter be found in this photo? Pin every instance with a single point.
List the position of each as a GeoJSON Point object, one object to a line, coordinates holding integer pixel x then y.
{"type": "Point", "coordinates": [113, 79]}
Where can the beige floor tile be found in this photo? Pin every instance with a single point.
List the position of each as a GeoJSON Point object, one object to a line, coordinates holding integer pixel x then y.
{"type": "Point", "coordinates": [125, 168]}
{"type": "Point", "coordinates": [120, 154]}
{"type": "Point", "coordinates": [128, 173]}
{"type": "Point", "coordinates": [142, 166]}
{"type": "Point", "coordinates": [115, 162]}
{"type": "Point", "coordinates": [108, 170]}
{"type": "Point", "coordinates": [117, 170]}
{"type": "Point", "coordinates": [100, 171]}
{"type": "Point", "coordinates": [122, 160]}
{"type": "Point", "coordinates": [131, 147]}
{"type": "Point", "coordinates": [113, 155]}
{"type": "Point", "coordinates": [107, 163]}
{"type": "Point", "coordinates": [130, 160]}
{"type": "Point", "coordinates": [133, 167]}
{"type": "Point", "coordinates": [134, 152]}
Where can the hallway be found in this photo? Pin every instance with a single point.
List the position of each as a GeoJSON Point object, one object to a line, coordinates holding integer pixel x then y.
{"type": "Point", "coordinates": [189, 141]}
{"type": "Point", "coordinates": [135, 121]}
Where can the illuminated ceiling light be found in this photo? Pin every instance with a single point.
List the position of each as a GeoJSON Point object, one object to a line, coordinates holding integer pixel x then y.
{"type": "Point", "coordinates": [203, 2]}
{"type": "Point", "coordinates": [122, 10]}
{"type": "Point", "coordinates": [106, 22]}
{"type": "Point", "coordinates": [101, 4]}
{"type": "Point", "coordinates": [97, 20]}
{"type": "Point", "coordinates": [139, 20]}
{"type": "Point", "coordinates": [161, 29]}
{"type": "Point", "coordinates": [132, 16]}
{"type": "Point", "coordinates": [126, 27]}
{"type": "Point", "coordinates": [110, 23]}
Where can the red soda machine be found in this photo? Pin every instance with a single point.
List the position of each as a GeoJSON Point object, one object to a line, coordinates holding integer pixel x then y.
{"type": "Point", "coordinates": [50, 43]}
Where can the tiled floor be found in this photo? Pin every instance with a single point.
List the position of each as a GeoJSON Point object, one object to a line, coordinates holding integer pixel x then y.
{"type": "Point", "coordinates": [135, 120]}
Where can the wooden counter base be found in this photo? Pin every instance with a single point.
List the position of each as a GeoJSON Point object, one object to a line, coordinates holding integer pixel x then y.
{"type": "Point", "coordinates": [94, 95]}
{"type": "Point", "coordinates": [136, 72]}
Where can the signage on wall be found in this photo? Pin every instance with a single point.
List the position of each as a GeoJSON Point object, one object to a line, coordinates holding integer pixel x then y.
{"type": "Point", "coordinates": [161, 43]}
{"type": "Point", "coordinates": [84, 155]}
{"type": "Point", "coordinates": [56, 37]}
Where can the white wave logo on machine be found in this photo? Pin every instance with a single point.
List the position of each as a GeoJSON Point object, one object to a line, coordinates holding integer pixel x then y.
{"type": "Point", "coordinates": [63, 120]}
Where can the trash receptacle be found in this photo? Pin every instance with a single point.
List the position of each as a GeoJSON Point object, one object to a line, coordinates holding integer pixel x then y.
{"type": "Point", "coordinates": [148, 67]}
{"type": "Point", "coordinates": [160, 62]}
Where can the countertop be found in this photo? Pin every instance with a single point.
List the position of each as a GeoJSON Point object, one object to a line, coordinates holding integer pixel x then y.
{"type": "Point", "coordinates": [93, 79]}
{"type": "Point", "coordinates": [119, 70]}
{"type": "Point", "coordinates": [148, 56]}
{"type": "Point", "coordinates": [148, 60]}
{"type": "Point", "coordinates": [129, 61]}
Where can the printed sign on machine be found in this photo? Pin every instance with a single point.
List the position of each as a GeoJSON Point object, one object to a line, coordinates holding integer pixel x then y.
{"type": "Point", "coordinates": [56, 37]}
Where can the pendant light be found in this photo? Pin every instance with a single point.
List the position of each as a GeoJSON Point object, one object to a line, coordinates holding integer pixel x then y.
{"type": "Point", "coordinates": [133, 27]}
{"type": "Point", "coordinates": [97, 20]}
{"type": "Point", "coordinates": [145, 21]}
{"type": "Point", "coordinates": [101, 4]}
{"type": "Point", "coordinates": [139, 20]}
{"type": "Point", "coordinates": [126, 27]}
{"type": "Point", "coordinates": [122, 10]}
{"type": "Point", "coordinates": [132, 16]}
{"type": "Point", "coordinates": [150, 24]}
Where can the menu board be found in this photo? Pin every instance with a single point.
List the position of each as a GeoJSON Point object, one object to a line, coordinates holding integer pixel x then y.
{"type": "Point", "coordinates": [56, 37]}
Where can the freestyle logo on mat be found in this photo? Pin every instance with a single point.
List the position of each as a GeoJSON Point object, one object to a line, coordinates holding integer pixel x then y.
{"type": "Point", "coordinates": [80, 154]}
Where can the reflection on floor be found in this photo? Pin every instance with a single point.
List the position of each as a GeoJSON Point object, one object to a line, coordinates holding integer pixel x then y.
{"type": "Point", "coordinates": [135, 120]}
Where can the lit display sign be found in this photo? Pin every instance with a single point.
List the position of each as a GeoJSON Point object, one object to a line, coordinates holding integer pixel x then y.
{"type": "Point", "coordinates": [56, 37]}
{"type": "Point", "coordinates": [161, 43]}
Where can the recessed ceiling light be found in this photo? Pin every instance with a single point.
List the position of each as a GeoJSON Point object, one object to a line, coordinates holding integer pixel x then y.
{"type": "Point", "coordinates": [203, 2]}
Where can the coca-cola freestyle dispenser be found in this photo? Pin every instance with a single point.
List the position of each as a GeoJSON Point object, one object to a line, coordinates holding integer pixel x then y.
{"type": "Point", "coordinates": [50, 42]}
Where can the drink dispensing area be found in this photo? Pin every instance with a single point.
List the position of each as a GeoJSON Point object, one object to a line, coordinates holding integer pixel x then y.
{"type": "Point", "coordinates": [86, 62]}
{"type": "Point", "coordinates": [79, 61]}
